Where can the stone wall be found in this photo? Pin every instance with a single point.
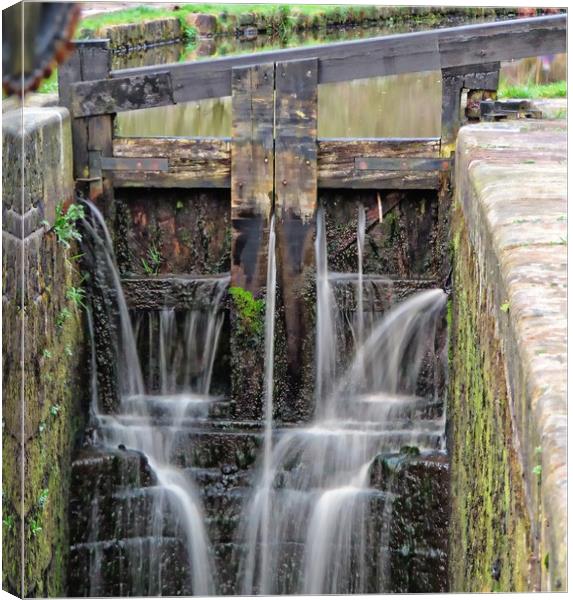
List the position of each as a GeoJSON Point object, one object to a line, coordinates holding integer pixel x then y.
{"type": "Point", "coordinates": [129, 37]}
{"type": "Point", "coordinates": [507, 406]}
{"type": "Point", "coordinates": [42, 352]}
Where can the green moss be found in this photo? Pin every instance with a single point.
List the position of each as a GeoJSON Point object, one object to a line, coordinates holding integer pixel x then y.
{"type": "Point", "coordinates": [250, 312]}
{"type": "Point", "coordinates": [489, 526]}
{"type": "Point", "coordinates": [52, 416]}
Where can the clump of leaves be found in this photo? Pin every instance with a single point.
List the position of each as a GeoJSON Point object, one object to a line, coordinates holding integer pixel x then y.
{"type": "Point", "coordinates": [8, 522]}
{"type": "Point", "coordinates": [62, 317]}
{"type": "Point", "coordinates": [504, 307]}
{"type": "Point", "coordinates": [54, 410]}
{"type": "Point", "coordinates": [43, 498]}
{"type": "Point", "coordinates": [250, 311]}
{"type": "Point", "coordinates": [35, 527]}
{"type": "Point", "coordinates": [46, 353]}
{"type": "Point", "coordinates": [153, 260]}
{"type": "Point", "coordinates": [536, 470]}
{"type": "Point", "coordinates": [76, 295]}
{"type": "Point", "coordinates": [65, 224]}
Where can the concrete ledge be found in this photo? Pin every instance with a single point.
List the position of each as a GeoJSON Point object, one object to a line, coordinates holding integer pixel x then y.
{"type": "Point", "coordinates": [511, 184]}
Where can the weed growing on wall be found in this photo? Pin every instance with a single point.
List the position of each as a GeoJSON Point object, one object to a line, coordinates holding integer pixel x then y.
{"type": "Point", "coordinates": [153, 260]}
{"type": "Point", "coordinates": [251, 312]}
{"type": "Point", "coordinates": [65, 225]}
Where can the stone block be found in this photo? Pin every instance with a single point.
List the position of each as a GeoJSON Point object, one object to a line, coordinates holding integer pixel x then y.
{"type": "Point", "coordinates": [206, 25]}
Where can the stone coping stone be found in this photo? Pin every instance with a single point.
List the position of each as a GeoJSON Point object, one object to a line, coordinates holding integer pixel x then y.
{"type": "Point", "coordinates": [47, 177]}
{"type": "Point", "coordinates": [511, 179]}
{"type": "Point", "coordinates": [33, 100]}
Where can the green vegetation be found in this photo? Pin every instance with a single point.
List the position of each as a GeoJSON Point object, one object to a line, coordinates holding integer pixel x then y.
{"type": "Point", "coordinates": [153, 261]}
{"type": "Point", "coordinates": [76, 295]}
{"type": "Point", "coordinates": [504, 307]}
{"type": "Point", "coordinates": [62, 317]}
{"type": "Point", "coordinates": [43, 498]}
{"type": "Point", "coordinates": [8, 522]}
{"type": "Point", "coordinates": [136, 14]}
{"type": "Point", "coordinates": [251, 312]}
{"type": "Point", "coordinates": [35, 527]}
{"type": "Point", "coordinates": [50, 85]}
{"type": "Point", "coordinates": [533, 91]}
{"type": "Point", "coordinates": [65, 224]}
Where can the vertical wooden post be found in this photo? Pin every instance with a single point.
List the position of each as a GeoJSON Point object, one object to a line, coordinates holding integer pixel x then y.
{"type": "Point", "coordinates": [252, 184]}
{"type": "Point", "coordinates": [296, 102]}
{"type": "Point", "coordinates": [252, 172]}
{"type": "Point", "coordinates": [483, 78]}
{"type": "Point", "coordinates": [92, 137]}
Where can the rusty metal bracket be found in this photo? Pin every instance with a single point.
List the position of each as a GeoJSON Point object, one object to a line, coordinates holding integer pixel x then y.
{"type": "Point", "coordinates": [402, 164]}
{"type": "Point", "coordinates": [109, 163]}
{"type": "Point", "coordinates": [497, 110]}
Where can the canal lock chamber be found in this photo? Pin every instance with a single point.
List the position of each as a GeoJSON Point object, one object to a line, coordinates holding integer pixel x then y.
{"type": "Point", "coordinates": [173, 491]}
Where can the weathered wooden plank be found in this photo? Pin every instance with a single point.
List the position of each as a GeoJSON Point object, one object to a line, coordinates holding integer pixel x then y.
{"type": "Point", "coordinates": [206, 162]}
{"type": "Point", "coordinates": [69, 73]}
{"type": "Point", "coordinates": [507, 40]}
{"type": "Point", "coordinates": [96, 63]}
{"type": "Point", "coordinates": [388, 55]}
{"type": "Point", "coordinates": [337, 163]}
{"type": "Point", "coordinates": [252, 170]}
{"type": "Point", "coordinates": [193, 162]}
{"type": "Point", "coordinates": [116, 95]}
{"type": "Point", "coordinates": [162, 180]}
{"type": "Point", "coordinates": [296, 102]}
{"type": "Point", "coordinates": [108, 163]}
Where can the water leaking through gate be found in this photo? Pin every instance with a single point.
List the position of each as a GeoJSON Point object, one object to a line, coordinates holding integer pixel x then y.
{"type": "Point", "coordinates": [359, 223]}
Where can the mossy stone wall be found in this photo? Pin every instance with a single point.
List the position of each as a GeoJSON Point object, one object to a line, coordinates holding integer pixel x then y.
{"type": "Point", "coordinates": [490, 537]}
{"type": "Point", "coordinates": [508, 400]}
{"type": "Point", "coordinates": [43, 387]}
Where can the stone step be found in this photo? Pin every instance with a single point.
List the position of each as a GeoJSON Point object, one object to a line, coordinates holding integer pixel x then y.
{"type": "Point", "coordinates": [97, 470]}
{"type": "Point", "coordinates": [177, 406]}
{"type": "Point", "coordinates": [416, 571]}
{"type": "Point", "coordinates": [136, 567]}
{"type": "Point", "coordinates": [390, 408]}
{"type": "Point", "coordinates": [130, 513]}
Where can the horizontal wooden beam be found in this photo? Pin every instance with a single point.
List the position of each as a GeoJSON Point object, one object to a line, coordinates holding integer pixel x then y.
{"type": "Point", "coordinates": [192, 162]}
{"type": "Point", "coordinates": [468, 46]}
{"type": "Point", "coordinates": [390, 163]}
{"type": "Point", "coordinates": [341, 163]}
{"type": "Point", "coordinates": [104, 96]}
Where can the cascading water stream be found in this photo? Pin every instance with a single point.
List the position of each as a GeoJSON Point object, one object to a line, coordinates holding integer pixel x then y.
{"type": "Point", "coordinates": [269, 386]}
{"type": "Point", "coordinates": [317, 487]}
{"type": "Point", "coordinates": [135, 425]}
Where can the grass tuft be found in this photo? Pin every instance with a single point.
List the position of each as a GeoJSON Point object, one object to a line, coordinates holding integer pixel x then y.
{"type": "Point", "coordinates": [534, 91]}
